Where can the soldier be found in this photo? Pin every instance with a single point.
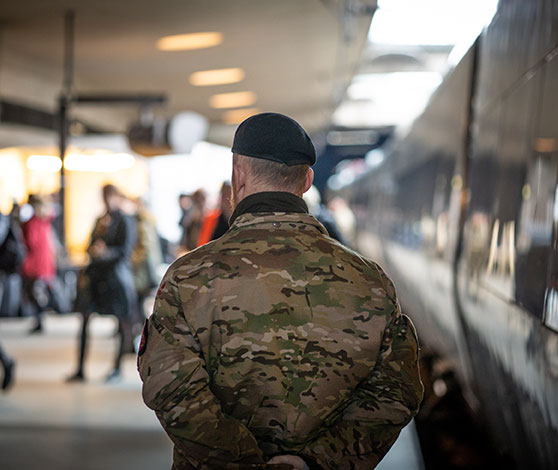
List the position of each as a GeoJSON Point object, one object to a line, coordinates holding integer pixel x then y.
{"type": "Point", "coordinates": [274, 346]}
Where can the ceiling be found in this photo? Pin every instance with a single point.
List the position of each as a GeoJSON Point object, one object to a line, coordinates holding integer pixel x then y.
{"type": "Point", "coordinates": [299, 56]}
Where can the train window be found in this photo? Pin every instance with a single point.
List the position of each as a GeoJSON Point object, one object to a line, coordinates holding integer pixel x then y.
{"type": "Point", "coordinates": [509, 226]}
{"type": "Point", "coordinates": [535, 233]}
{"type": "Point", "coordinates": [535, 286]}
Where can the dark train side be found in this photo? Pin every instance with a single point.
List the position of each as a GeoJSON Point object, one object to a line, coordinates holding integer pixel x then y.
{"type": "Point", "coordinates": [463, 214]}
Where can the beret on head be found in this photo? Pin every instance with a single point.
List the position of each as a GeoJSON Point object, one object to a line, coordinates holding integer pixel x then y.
{"type": "Point", "coordinates": [273, 136]}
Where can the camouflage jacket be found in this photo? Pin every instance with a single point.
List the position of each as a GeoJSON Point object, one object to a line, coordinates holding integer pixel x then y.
{"type": "Point", "coordinates": [276, 339]}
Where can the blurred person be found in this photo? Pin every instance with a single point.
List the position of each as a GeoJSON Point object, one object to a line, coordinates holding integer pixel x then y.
{"type": "Point", "coordinates": [106, 286]}
{"type": "Point", "coordinates": [216, 221]}
{"type": "Point", "coordinates": [11, 257]}
{"type": "Point", "coordinates": [39, 266]}
{"type": "Point", "coordinates": [314, 201]}
{"type": "Point", "coordinates": [56, 208]}
{"type": "Point", "coordinates": [226, 211]}
{"type": "Point", "coordinates": [12, 254]}
{"type": "Point", "coordinates": [8, 366]}
{"type": "Point", "coordinates": [195, 219]}
{"type": "Point", "coordinates": [275, 344]}
{"type": "Point", "coordinates": [185, 203]}
{"type": "Point", "coordinates": [147, 255]}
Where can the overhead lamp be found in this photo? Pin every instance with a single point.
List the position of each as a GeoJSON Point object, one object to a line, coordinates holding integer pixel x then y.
{"type": "Point", "coordinates": [186, 42]}
{"type": "Point", "coordinates": [217, 77]}
{"type": "Point", "coordinates": [44, 163]}
{"type": "Point", "coordinates": [99, 162]}
{"type": "Point", "coordinates": [238, 99]}
{"type": "Point", "coordinates": [236, 116]}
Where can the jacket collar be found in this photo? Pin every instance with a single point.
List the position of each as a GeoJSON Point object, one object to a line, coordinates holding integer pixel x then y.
{"type": "Point", "coordinates": [276, 220]}
{"type": "Point", "coordinates": [270, 201]}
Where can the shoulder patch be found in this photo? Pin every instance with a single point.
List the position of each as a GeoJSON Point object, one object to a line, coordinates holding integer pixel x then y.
{"type": "Point", "coordinates": [161, 288]}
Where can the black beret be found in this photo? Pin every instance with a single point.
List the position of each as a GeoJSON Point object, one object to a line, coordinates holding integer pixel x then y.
{"type": "Point", "coordinates": [273, 136]}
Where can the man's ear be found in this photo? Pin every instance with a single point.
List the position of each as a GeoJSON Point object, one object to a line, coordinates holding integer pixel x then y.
{"type": "Point", "coordinates": [309, 180]}
{"type": "Point", "coordinates": [238, 179]}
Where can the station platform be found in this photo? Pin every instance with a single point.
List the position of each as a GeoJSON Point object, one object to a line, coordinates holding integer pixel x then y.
{"type": "Point", "coordinates": [48, 424]}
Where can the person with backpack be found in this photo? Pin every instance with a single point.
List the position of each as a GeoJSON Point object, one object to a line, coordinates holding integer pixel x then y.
{"type": "Point", "coordinates": [11, 257]}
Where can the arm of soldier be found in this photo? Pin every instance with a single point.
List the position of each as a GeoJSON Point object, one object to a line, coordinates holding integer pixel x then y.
{"type": "Point", "coordinates": [362, 433]}
{"type": "Point", "coordinates": [176, 387]}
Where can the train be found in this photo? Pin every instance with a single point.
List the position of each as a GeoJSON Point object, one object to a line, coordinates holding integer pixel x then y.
{"type": "Point", "coordinates": [463, 215]}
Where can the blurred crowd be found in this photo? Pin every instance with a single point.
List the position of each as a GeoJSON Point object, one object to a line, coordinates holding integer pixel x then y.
{"type": "Point", "coordinates": [127, 258]}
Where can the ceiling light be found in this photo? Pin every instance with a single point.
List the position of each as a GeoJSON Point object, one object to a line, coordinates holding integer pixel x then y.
{"type": "Point", "coordinates": [232, 100]}
{"type": "Point", "coordinates": [45, 163]}
{"type": "Point", "coordinates": [186, 42]}
{"type": "Point", "coordinates": [236, 116]}
{"type": "Point", "coordinates": [217, 77]}
{"type": "Point", "coordinates": [100, 162]}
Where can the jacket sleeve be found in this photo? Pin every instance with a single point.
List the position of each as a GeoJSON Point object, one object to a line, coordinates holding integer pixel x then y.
{"type": "Point", "coordinates": [364, 428]}
{"type": "Point", "coordinates": [176, 387]}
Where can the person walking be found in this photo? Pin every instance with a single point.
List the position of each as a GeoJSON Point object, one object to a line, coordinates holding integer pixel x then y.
{"type": "Point", "coordinates": [39, 266]}
{"type": "Point", "coordinates": [106, 286]}
{"type": "Point", "coordinates": [275, 346]}
{"type": "Point", "coordinates": [12, 252]}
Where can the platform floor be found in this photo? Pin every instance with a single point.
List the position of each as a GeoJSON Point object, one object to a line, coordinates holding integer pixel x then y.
{"type": "Point", "coordinates": [48, 424]}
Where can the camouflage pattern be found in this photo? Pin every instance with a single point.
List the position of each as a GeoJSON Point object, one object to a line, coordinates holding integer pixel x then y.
{"type": "Point", "coordinates": [276, 339]}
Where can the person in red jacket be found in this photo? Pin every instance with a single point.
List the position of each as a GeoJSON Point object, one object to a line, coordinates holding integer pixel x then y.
{"type": "Point", "coordinates": [39, 266]}
{"type": "Point", "coordinates": [216, 222]}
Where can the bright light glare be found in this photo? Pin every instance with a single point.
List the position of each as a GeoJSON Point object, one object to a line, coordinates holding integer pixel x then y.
{"type": "Point", "coordinates": [236, 116]}
{"type": "Point", "coordinates": [430, 22]}
{"type": "Point", "coordinates": [343, 178]}
{"type": "Point", "coordinates": [217, 77]}
{"type": "Point", "coordinates": [374, 158]}
{"type": "Point", "coordinates": [99, 162]}
{"type": "Point", "coordinates": [380, 87]}
{"type": "Point", "coordinates": [44, 163]}
{"type": "Point", "coordinates": [233, 100]}
{"type": "Point", "coordinates": [386, 98]}
{"type": "Point", "coordinates": [186, 42]}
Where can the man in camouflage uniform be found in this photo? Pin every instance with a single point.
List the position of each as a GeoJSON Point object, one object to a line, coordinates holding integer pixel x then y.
{"type": "Point", "coordinates": [274, 346]}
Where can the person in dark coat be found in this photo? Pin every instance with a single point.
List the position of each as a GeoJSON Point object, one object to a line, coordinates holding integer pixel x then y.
{"type": "Point", "coordinates": [185, 203]}
{"type": "Point", "coordinates": [11, 257]}
{"type": "Point", "coordinates": [107, 284]}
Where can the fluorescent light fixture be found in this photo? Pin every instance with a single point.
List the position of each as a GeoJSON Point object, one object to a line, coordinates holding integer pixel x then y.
{"type": "Point", "coordinates": [217, 77]}
{"type": "Point", "coordinates": [186, 42]}
{"type": "Point", "coordinates": [44, 163]}
{"type": "Point", "coordinates": [99, 162]}
{"type": "Point", "coordinates": [232, 100]}
{"type": "Point", "coordinates": [236, 116]}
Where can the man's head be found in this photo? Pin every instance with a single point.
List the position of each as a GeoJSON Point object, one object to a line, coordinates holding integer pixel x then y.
{"type": "Point", "coordinates": [39, 205]}
{"type": "Point", "coordinates": [111, 197]}
{"type": "Point", "coordinates": [185, 201]}
{"type": "Point", "coordinates": [198, 198]}
{"type": "Point", "coordinates": [271, 152]}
